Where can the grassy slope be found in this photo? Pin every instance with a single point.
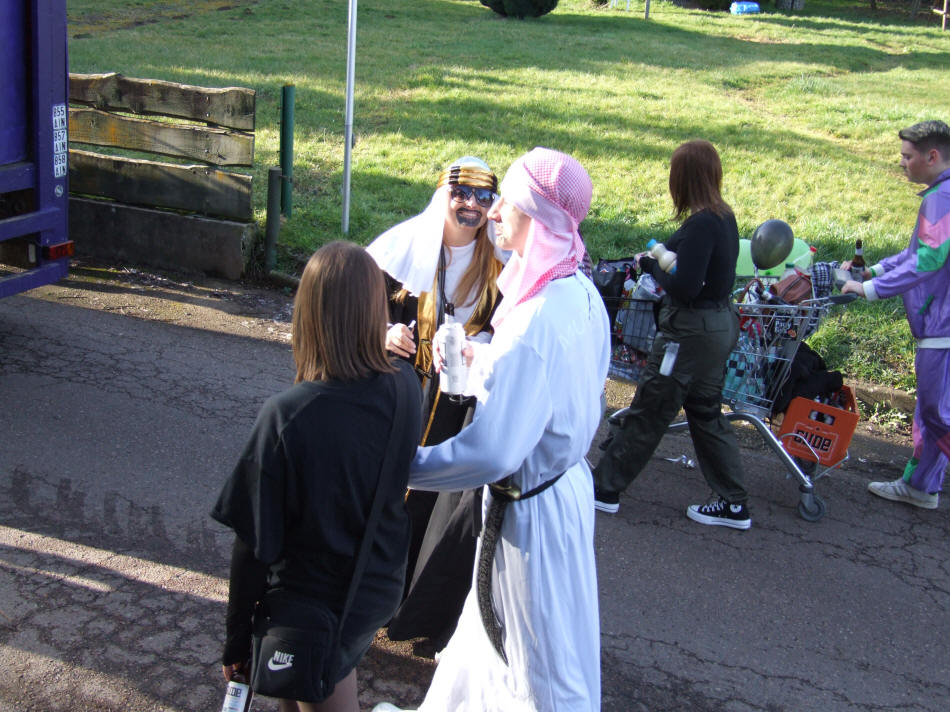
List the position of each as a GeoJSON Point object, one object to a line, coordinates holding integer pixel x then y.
{"type": "Point", "coordinates": [804, 109]}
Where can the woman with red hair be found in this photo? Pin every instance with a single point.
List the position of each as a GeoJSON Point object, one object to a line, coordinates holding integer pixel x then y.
{"type": "Point", "coordinates": [696, 316]}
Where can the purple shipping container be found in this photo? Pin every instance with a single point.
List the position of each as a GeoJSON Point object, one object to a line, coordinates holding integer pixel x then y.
{"type": "Point", "coordinates": [13, 71]}
{"type": "Point", "coordinates": [34, 167]}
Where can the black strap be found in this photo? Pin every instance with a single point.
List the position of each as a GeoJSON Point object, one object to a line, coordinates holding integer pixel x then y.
{"type": "Point", "coordinates": [395, 437]}
{"type": "Point", "coordinates": [505, 489]}
{"type": "Point", "coordinates": [443, 305]}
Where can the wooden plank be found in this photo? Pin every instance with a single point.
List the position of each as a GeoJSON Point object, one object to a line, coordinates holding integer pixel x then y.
{"type": "Point", "coordinates": [220, 147]}
{"type": "Point", "coordinates": [229, 106]}
{"type": "Point", "coordinates": [195, 189]}
{"type": "Point", "coordinates": [123, 233]}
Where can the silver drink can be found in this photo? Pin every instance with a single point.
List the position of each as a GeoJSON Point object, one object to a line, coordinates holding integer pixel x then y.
{"type": "Point", "coordinates": [454, 373]}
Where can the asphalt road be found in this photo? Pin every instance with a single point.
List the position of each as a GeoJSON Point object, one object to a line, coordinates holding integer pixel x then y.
{"type": "Point", "coordinates": [124, 402]}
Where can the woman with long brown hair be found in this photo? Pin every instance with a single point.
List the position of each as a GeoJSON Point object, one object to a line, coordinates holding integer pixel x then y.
{"type": "Point", "coordinates": [697, 328]}
{"type": "Point", "coordinates": [441, 264]}
{"type": "Point", "coordinates": [299, 499]}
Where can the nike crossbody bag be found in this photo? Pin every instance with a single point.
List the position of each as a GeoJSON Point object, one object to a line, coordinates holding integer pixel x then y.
{"type": "Point", "coordinates": [296, 647]}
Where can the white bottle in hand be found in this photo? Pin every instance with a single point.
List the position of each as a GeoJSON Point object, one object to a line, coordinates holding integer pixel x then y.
{"type": "Point", "coordinates": [454, 375]}
{"type": "Point", "coordinates": [665, 258]}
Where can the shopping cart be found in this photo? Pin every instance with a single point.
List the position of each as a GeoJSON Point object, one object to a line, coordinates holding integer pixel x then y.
{"type": "Point", "coordinates": [756, 370]}
{"type": "Point", "coordinates": [633, 328]}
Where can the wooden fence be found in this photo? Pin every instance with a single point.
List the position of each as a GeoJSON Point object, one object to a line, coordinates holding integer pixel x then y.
{"type": "Point", "coordinates": [169, 215]}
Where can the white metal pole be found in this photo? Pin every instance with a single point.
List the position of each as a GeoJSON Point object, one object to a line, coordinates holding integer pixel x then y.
{"type": "Point", "coordinates": [348, 120]}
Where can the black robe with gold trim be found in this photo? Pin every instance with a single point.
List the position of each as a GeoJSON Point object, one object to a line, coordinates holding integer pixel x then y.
{"type": "Point", "coordinates": [446, 525]}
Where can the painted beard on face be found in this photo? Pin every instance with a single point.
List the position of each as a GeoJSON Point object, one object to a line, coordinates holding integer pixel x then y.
{"type": "Point", "coordinates": [466, 217]}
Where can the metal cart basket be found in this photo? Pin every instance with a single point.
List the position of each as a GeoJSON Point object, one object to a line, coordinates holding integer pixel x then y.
{"type": "Point", "coordinates": [632, 331]}
{"type": "Point", "coordinates": [756, 370]}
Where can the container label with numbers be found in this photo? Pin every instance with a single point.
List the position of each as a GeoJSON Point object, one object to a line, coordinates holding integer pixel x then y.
{"type": "Point", "coordinates": [60, 141]}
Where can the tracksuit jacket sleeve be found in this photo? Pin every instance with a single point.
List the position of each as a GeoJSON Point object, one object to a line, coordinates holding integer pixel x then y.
{"type": "Point", "coordinates": [925, 257]}
{"type": "Point", "coordinates": [900, 275]}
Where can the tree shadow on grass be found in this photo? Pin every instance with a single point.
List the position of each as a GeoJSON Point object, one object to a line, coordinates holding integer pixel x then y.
{"type": "Point", "coordinates": [622, 37]}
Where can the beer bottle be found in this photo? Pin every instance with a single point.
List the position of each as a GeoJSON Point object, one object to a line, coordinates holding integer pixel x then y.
{"type": "Point", "coordinates": [857, 262]}
{"type": "Point", "coordinates": [237, 697]}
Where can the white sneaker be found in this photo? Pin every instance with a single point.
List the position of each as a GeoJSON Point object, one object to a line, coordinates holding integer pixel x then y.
{"type": "Point", "coordinates": [389, 707]}
{"type": "Point", "coordinates": [900, 491]}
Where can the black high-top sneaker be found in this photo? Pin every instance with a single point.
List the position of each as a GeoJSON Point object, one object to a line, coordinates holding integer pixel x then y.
{"type": "Point", "coordinates": [720, 513]}
{"type": "Point", "coordinates": [606, 501]}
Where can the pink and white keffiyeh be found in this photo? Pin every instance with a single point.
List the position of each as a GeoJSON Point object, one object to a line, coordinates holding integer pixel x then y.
{"type": "Point", "coordinates": [555, 191]}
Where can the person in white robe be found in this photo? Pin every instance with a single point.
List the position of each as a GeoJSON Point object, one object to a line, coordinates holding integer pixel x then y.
{"type": "Point", "coordinates": [538, 386]}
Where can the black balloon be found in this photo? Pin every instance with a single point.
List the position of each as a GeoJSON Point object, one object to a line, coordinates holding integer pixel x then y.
{"type": "Point", "coordinates": [771, 243]}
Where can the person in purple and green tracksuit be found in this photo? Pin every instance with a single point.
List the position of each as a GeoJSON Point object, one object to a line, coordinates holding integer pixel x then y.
{"type": "Point", "coordinates": [921, 275]}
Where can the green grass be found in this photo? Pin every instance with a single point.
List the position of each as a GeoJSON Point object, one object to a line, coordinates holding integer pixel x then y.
{"type": "Point", "coordinates": [803, 107]}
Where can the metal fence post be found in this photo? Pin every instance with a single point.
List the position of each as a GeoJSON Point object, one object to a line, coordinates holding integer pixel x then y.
{"type": "Point", "coordinates": [272, 227]}
{"type": "Point", "coordinates": [287, 148]}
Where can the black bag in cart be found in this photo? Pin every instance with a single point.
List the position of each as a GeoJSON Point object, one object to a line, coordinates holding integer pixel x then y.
{"type": "Point", "coordinates": [608, 277]}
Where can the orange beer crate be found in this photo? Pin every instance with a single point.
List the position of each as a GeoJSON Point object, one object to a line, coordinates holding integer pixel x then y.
{"type": "Point", "coordinates": [825, 428]}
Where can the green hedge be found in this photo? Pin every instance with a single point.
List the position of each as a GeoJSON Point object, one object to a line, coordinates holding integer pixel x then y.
{"type": "Point", "coordinates": [521, 8]}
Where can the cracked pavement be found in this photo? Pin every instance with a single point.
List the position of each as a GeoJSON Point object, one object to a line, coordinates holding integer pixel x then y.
{"type": "Point", "coordinates": [126, 397]}
{"type": "Point", "coordinates": [848, 613]}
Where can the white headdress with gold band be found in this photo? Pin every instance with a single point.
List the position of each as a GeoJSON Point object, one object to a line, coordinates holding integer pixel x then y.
{"type": "Point", "coordinates": [409, 251]}
{"type": "Point", "coordinates": [469, 170]}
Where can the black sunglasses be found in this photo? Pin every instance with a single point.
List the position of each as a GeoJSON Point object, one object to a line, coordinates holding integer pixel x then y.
{"type": "Point", "coordinates": [483, 196]}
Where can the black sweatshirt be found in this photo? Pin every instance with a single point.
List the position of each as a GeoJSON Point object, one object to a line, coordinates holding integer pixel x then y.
{"type": "Point", "coordinates": [707, 248]}
{"type": "Point", "coordinates": [299, 499]}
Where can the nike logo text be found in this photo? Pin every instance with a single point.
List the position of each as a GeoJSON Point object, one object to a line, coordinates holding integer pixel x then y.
{"type": "Point", "coordinates": [280, 661]}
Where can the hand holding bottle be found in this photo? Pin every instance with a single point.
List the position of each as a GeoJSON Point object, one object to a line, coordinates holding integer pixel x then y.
{"type": "Point", "coordinates": [451, 357]}
{"type": "Point", "coordinates": [848, 266]}
{"type": "Point", "coordinates": [664, 257]}
{"type": "Point", "coordinates": [857, 265]}
{"type": "Point", "coordinates": [237, 697]}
